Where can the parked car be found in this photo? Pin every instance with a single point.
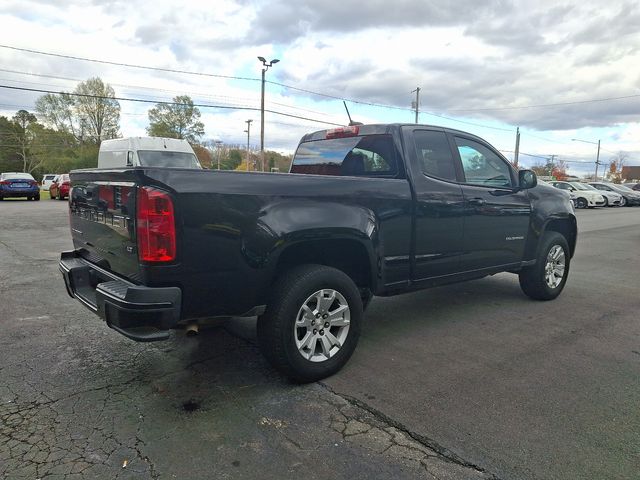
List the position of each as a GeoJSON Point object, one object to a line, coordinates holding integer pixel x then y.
{"type": "Point", "coordinates": [629, 197]}
{"type": "Point", "coordinates": [365, 210]}
{"type": "Point", "coordinates": [60, 187]}
{"type": "Point", "coordinates": [47, 180]}
{"type": "Point", "coordinates": [585, 197]}
{"type": "Point", "coordinates": [17, 184]}
{"type": "Point", "coordinates": [611, 199]}
{"type": "Point", "coordinates": [632, 185]}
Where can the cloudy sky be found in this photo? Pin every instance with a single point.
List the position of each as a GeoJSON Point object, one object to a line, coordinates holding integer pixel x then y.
{"type": "Point", "coordinates": [558, 70]}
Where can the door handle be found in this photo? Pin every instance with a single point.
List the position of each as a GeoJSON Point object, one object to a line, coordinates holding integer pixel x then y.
{"type": "Point", "coordinates": [476, 202]}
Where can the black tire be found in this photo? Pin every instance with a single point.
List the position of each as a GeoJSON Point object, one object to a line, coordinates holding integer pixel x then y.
{"type": "Point", "coordinates": [533, 279]}
{"type": "Point", "coordinates": [276, 327]}
{"type": "Point", "coordinates": [606, 201]}
{"type": "Point", "coordinates": [1, 198]}
{"type": "Point", "coordinates": [624, 202]}
{"type": "Point", "coordinates": [60, 197]}
{"type": "Point", "coordinates": [37, 198]}
{"type": "Point", "coordinates": [581, 203]}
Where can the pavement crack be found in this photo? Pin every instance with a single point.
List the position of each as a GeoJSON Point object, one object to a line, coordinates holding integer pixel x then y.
{"type": "Point", "coordinates": [443, 453]}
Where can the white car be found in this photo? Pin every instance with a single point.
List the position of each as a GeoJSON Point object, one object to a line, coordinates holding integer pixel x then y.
{"type": "Point", "coordinates": [611, 199]}
{"type": "Point", "coordinates": [585, 197]}
{"type": "Point", "coordinates": [47, 180]}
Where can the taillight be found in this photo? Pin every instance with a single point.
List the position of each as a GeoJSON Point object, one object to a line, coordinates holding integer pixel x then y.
{"type": "Point", "coordinates": [4, 182]}
{"type": "Point", "coordinates": [156, 229]}
{"type": "Point", "coordinates": [343, 132]}
{"type": "Point", "coordinates": [33, 183]}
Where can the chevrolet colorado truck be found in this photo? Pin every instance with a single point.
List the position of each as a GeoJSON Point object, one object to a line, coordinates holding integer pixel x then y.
{"type": "Point", "coordinates": [365, 210]}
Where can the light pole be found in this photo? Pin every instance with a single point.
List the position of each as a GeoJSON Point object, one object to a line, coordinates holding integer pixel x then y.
{"type": "Point", "coordinates": [248, 130]}
{"type": "Point", "coordinates": [218, 145]}
{"type": "Point", "coordinates": [597, 154]}
{"type": "Point", "coordinates": [265, 66]}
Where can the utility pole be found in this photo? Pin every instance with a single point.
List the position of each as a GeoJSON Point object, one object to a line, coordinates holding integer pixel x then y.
{"type": "Point", "coordinates": [417, 102]}
{"type": "Point", "coordinates": [552, 163]}
{"type": "Point", "coordinates": [517, 150]}
{"type": "Point", "coordinates": [598, 162]}
{"type": "Point", "coordinates": [248, 130]}
{"type": "Point", "coordinates": [265, 66]}
{"type": "Point", "coordinates": [597, 154]}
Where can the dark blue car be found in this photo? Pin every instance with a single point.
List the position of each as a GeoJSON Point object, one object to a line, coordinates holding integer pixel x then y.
{"type": "Point", "coordinates": [14, 184]}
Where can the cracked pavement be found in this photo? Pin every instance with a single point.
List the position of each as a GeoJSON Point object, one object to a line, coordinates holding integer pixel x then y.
{"type": "Point", "coordinates": [472, 381]}
{"type": "Point", "coordinates": [78, 401]}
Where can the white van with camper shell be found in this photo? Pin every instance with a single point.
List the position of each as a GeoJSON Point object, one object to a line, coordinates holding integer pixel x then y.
{"type": "Point", "coordinates": [147, 152]}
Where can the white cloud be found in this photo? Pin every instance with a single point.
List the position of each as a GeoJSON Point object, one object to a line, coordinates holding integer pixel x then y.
{"type": "Point", "coordinates": [465, 55]}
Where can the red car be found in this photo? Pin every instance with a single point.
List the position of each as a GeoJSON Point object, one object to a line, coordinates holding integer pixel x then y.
{"type": "Point", "coordinates": [60, 187]}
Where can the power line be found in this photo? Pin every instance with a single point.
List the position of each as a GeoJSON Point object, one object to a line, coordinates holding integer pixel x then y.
{"type": "Point", "coordinates": [544, 105]}
{"type": "Point", "coordinates": [469, 123]}
{"type": "Point", "coordinates": [129, 65]}
{"type": "Point", "coordinates": [141, 100]}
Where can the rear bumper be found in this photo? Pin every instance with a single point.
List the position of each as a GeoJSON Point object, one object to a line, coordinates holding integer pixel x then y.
{"type": "Point", "coordinates": [144, 314]}
{"type": "Point", "coordinates": [19, 192]}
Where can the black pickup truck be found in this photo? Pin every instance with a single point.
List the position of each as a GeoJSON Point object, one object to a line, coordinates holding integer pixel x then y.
{"type": "Point", "coordinates": [365, 210]}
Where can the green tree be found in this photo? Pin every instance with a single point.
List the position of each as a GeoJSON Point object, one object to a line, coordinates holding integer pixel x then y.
{"type": "Point", "coordinates": [24, 136]}
{"type": "Point", "coordinates": [92, 114]}
{"type": "Point", "coordinates": [177, 120]}
{"type": "Point", "coordinates": [97, 110]}
{"type": "Point", "coordinates": [9, 159]}
{"type": "Point", "coordinates": [232, 160]}
{"type": "Point", "coordinates": [58, 112]}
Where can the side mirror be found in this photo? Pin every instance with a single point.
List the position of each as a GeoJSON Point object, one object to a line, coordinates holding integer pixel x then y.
{"type": "Point", "coordinates": [527, 179]}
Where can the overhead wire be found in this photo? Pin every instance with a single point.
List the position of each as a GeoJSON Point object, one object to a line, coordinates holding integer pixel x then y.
{"type": "Point", "coordinates": [200, 105]}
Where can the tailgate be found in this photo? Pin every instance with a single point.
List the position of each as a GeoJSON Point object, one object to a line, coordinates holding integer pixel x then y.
{"type": "Point", "coordinates": [102, 218]}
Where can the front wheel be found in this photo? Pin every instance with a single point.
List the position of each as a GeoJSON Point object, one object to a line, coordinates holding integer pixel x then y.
{"type": "Point", "coordinates": [606, 202]}
{"type": "Point", "coordinates": [581, 203]}
{"type": "Point", "coordinates": [623, 201]}
{"type": "Point", "coordinates": [311, 325]}
{"type": "Point", "coordinates": [546, 279]}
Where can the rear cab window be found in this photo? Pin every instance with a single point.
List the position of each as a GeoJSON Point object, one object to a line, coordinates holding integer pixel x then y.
{"type": "Point", "coordinates": [160, 158]}
{"type": "Point", "coordinates": [370, 156]}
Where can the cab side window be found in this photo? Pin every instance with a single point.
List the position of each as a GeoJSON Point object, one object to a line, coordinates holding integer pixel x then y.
{"type": "Point", "coordinates": [434, 154]}
{"type": "Point", "coordinates": [482, 166]}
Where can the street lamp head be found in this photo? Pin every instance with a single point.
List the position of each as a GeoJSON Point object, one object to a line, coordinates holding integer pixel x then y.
{"type": "Point", "coordinates": [274, 61]}
{"type": "Point", "coordinates": [262, 59]}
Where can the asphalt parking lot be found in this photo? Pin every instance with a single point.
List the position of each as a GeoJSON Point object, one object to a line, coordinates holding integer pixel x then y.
{"type": "Point", "coordinates": [468, 381]}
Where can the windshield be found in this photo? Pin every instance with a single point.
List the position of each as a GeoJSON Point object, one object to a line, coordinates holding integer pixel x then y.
{"type": "Point", "coordinates": [159, 158]}
{"type": "Point", "coordinates": [590, 187]}
{"type": "Point", "coordinates": [578, 186]}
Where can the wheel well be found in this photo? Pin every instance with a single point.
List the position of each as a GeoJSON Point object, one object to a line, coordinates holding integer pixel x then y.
{"type": "Point", "coordinates": [348, 256]}
{"type": "Point", "coordinates": [566, 228]}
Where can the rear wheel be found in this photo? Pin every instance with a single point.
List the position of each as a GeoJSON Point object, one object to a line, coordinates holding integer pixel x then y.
{"type": "Point", "coordinates": [37, 198]}
{"type": "Point", "coordinates": [606, 202]}
{"type": "Point", "coordinates": [581, 203]}
{"type": "Point", "coordinates": [546, 279]}
{"type": "Point", "coordinates": [312, 323]}
{"type": "Point", "coordinates": [60, 197]}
